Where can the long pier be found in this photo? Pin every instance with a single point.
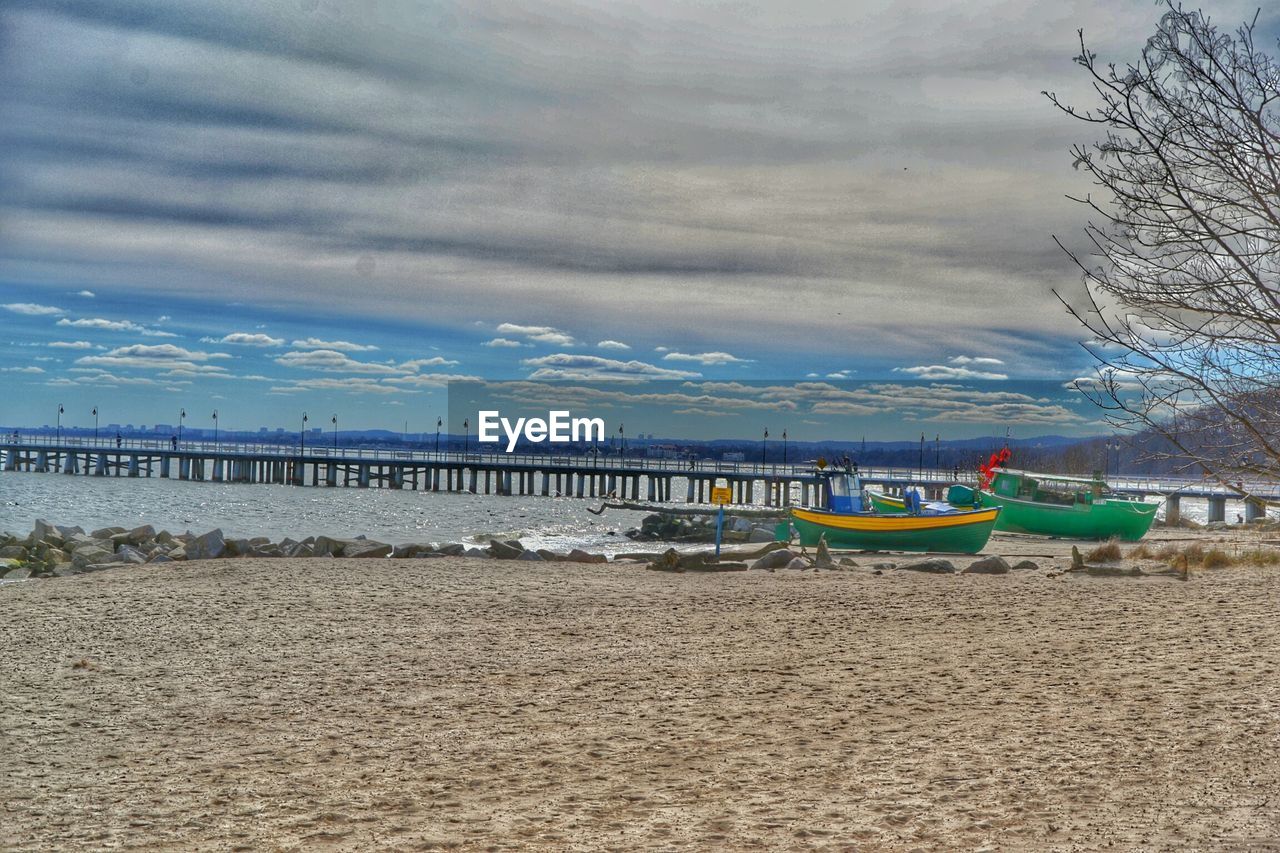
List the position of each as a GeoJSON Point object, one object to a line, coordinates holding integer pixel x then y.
{"type": "Point", "coordinates": [654, 480]}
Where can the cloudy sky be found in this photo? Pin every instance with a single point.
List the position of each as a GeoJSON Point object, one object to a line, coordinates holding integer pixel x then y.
{"type": "Point", "coordinates": [268, 207]}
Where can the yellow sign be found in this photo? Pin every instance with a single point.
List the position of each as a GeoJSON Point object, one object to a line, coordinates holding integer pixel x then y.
{"type": "Point", "coordinates": [721, 495]}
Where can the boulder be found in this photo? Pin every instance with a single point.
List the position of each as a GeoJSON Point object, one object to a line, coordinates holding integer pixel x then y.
{"type": "Point", "coordinates": [237, 548]}
{"type": "Point", "coordinates": [161, 558]}
{"type": "Point", "coordinates": [549, 555]}
{"type": "Point", "coordinates": [178, 554]}
{"type": "Point", "coordinates": [44, 530]}
{"type": "Point", "coordinates": [131, 555]}
{"type": "Point", "coordinates": [849, 561]}
{"type": "Point", "coordinates": [775, 559]}
{"type": "Point", "coordinates": [259, 541]}
{"type": "Point", "coordinates": [164, 536]}
{"type": "Point", "coordinates": [89, 555]}
{"type": "Point", "coordinates": [799, 564]}
{"type": "Point", "coordinates": [367, 548]}
{"type": "Point", "coordinates": [505, 550]}
{"type": "Point", "coordinates": [993, 565]}
{"type": "Point", "coordinates": [1025, 565]}
{"type": "Point", "coordinates": [268, 549]}
{"type": "Point", "coordinates": [669, 561]}
{"type": "Point", "coordinates": [476, 552]}
{"type": "Point", "coordinates": [412, 549]}
{"type": "Point", "coordinates": [932, 566]}
{"type": "Point", "coordinates": [453, 549]}
{"type": "Point", "coordinates": [880, 567]}
{"type": "Point", "coordinates": [760, 534]}
{"type": "Point", "coordinates": [738, 524]}
{"type": "Point", "coordinates": [96, 567]}
{"type": "Point", "coordinates": [328, 546]}
{"type": "Point", "coordinates": [300, 549]}
{"type": "Point", "coordinates": [143, 533]}
{"type": "Point", "coordinates": [579, 556]}
{"type": "Point", "coordinates": [17, 573]}
{"type": "Point", "coordinates": [106, 532]}
{"type": "Point", "coordinates": [208, 546]}
{"type": "Point", "coordinates": [16, 552]}
{"type": "Point", "coordinates": [531, 556]}
{"type": "Point", "coordinates": [66, 531]}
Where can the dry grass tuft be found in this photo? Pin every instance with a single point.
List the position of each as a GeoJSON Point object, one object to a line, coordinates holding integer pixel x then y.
{"type": "Point", "coordinates": [1216, 559]}
{"type": "Point", "coordinates": [1259, 557]}
{"type": "Point", "coordinates": [1142, 552]}
{"type": "Point", "coordinates": [1108, 552]}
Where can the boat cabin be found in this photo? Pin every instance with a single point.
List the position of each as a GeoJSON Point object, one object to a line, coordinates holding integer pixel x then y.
{"type": "Point", "coordinates": [844, 492]}
{"type": "Point", "coordinates": [1043, 488]}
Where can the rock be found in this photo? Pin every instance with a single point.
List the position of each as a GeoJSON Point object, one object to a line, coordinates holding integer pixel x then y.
{"type": "Point", "coordinates": [89, 555]}
{"type": "Point", "coordinates": [259, 541]}
{"type": "Point", "coordinates": [932, 566]}
{"type": "Point", "coordinates": [138, 535]}
{"type": "Point", "coordinates": [44, 530]}
{"type": "Point", "coordinates": [16, 552]}
{"type": "Point", "coordinates": [269, 550]}
{"type": "Point", "coordinates": [367, 548]}
{"type": "Point", "coordinates": [132, 556]}
{"type": "Point", "coordinates": [880, 567]}
{"type": "Point", "coordinates": [161, 558]}
{"type": "Point", "coordinates": [775, 559]}
{"type": "Point", "coordinates": [208, 546]}
{"type": "Point", "coordinates": [66, 531]}
{"type": "Point", "coordinates": [823, 559]}
{"type": "Point", "coordinates": [668, 562]}
{"type": "Point", "coordinates": [760, 534]}
{"type": "Point", "coordinates": [17, 573]}
{"type": "Point", "coordinates": [504, 550]}
{"type": "Point", "coordinates": [1024, 565]}
{"type": "Point", "coordinates": [531, 556]}
{"type": "Point", "coordinates": [178, 554]}
{"type": "Point", "coordinates": [300, 549]}
{"type": "Point", "coordinates": [849, 561]}
{"type": "Point", "coordinates": [96, 567]}
{"type": "Point", "coordinates": [799, 563]}
{"type": "Point", "coordinates": [328, 546]}
{"type": "Point", "coordinates": [237, 548]}
{"type": "Point", "coordinates": [476, 552]}
{"type": "Point", "coordinates": [1077, 560]}
{"type": "Point", "coordinates": [453, 549]}
{"type": "Point", "coordinates": [164, 537]}
{"type": "Point", "coordinates": [737, 524]}
{"type": "Point", "coordinates": [579, 556]}
{"type": "Point", "coordinates": [549, 555]}
{"type": "Point", "coordinates": [715, 566]}
{"type": "Point", "coordinates": [412, 549]}
{"type": "Point", "coordinates": [106, 532]}
{"type": "Point", "coordinates": [993, 565]}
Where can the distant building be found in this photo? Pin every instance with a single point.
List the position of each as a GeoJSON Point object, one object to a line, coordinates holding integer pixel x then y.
{"type": "Point", "coordinates": [734, 456]}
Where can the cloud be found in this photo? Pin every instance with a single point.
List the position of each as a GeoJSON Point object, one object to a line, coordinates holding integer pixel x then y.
{"type": "Point", "coordinates": [942, 371]}
{"type": "Point", "coordinates": [541, 334]}
{"type": "Point", "coordinates": [31, 309]}
{"type": "Point", "coordinates": [114, 326]}
{"type": "Point", "coordinates": [21, 370]}
{"type": "Point", "coordinates": [71, 344]}
{"type": "Point", "coordinates": [705, 358]}
{"type": "Point", "coordinates": [964, 359]}
{"type": "Point", "coordinates": [88, 294]}
{"type": "Point", "coordinates": [501, 342]}
{"type": "Point", "coordinates": [342, 346]}
{"type": "Point", "coordinates": [615, 345]}
{"type": "Point", "coordinates": [332, 361]}
{"type": "Point", "coordinates": [251, 339]}
{"type": "Point", "coordinates": [593, 367]}
{"type": "Point", "coordinates": [434, 361]}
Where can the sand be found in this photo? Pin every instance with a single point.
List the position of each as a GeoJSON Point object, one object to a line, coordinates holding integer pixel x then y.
{"type": "Point", "coordinates": [362, 704]}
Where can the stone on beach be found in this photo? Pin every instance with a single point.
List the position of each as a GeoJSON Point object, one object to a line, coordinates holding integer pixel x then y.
{"type": "Point", "coordinates": [935, 566]}
{"type": "Point", "coordinates": [208, 546]}
{"type": "Point", "coordinates": [992, 565]}
{"type": "Point", "coordinates": [775, 559]}
{"type": "Point", "coordinates": [505, 550]}
{"type": "Point", "coordinates": [367, 549]}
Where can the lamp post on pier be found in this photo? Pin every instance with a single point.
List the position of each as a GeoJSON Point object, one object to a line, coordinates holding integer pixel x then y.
{"type": "Point", "coordinates": [182, 417]}
{"type": "Point", "coordinates": [95, 426]}
{"type": "Point", "coordinates": [466, 435]}
{"type": "Point", "coordinates": [920, 470]}
{"type": "Point", "coordinates": [334, 421]}
{"type": "Point", "coordinates": [439, 423]}
{"type": "Point", "coordinates": [302, 437]}
{"type": "Point", "coordinates": [784, 448]}
{"type": "Point", "coordinates": [59, 424]}
{"type": "Point", "coordinates": [215, 430]}
{"type": "Point", "coordinates": [937, 452]}
{"type": "Point", "coordinates": [764, 448]}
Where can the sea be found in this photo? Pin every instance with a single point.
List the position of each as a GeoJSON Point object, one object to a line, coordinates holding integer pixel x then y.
{"type": "Point", "coordinates": [387, 515]}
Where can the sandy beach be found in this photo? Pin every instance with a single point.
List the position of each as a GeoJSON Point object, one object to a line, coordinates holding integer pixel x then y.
{"type": "Point", "coordinates": [414, 704]}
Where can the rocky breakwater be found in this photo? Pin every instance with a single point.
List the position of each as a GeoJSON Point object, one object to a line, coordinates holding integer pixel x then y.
{"type": "Point", "coordinates": [670, 527]}
{"type": "Point", "coordinates": [55, 550]}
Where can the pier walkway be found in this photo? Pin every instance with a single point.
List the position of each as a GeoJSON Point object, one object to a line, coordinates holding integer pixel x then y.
{"type": "Point", "coordinates": [591, 476]}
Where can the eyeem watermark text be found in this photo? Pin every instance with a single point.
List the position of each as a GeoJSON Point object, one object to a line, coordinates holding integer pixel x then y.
{"type": "Point", "coordinates": [558, 428]}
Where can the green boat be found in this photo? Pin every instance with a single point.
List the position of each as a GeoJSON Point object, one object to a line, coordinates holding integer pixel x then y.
{"type": "Point", "coordinates": [847, 525]}
{"type": "Point", "coordinates": [1052, 505]}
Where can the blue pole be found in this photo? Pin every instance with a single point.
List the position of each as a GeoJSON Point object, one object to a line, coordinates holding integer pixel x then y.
{"type": "Point", "coordinates": [719, 528]}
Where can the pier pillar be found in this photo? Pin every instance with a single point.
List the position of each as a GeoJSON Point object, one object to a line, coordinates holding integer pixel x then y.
{"type": "Point", "coordinates": [70, 465]}
{"type": "Point", "coordinates": [397, 478]}
{"type": "Point", "coordinates": [218, 468]}
{"type": "Point", "coordinates": [471, 484]}
{"type": "Point", "coordinates": [42, 462]}
{"type": "Point", "coordinates": [546, 484]}
{"type": "Point", "coordinates": [331, 474]}
{"type": "Point", "coordinates": [1217, 508]}
{"type": "Point", "coordinates": [164, 466]}
{"type": "Point", "coordinates": [688, 491]}
{"type": "Point", "coordinates": [197, 469]}
{"type": "Point", "coordinates": [100, 466]}
{"type": "Point", "coordinates": [1254, 510]}
{"type": "Point", "coordinates": [362, 477]}
{"type": "Point", "coordinates": [133, 465]}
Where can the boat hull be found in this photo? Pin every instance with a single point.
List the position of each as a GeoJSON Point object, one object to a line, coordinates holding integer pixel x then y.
{"type": "Point", "coordinates": [959, 533]}
{"type": "Point", "coordinates": [1112, 519]}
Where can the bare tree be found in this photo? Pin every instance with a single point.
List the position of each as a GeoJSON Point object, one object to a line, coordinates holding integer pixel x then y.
{"type": "Point", "coordinates": [1182, 284]}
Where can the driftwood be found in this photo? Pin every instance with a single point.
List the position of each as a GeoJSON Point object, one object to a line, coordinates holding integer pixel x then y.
{"type": "Point", "coordinates": [679, 510]}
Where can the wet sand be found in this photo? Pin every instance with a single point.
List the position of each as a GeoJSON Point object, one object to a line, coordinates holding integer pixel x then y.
{"type": "Point", "coordinates": [361, 704]}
